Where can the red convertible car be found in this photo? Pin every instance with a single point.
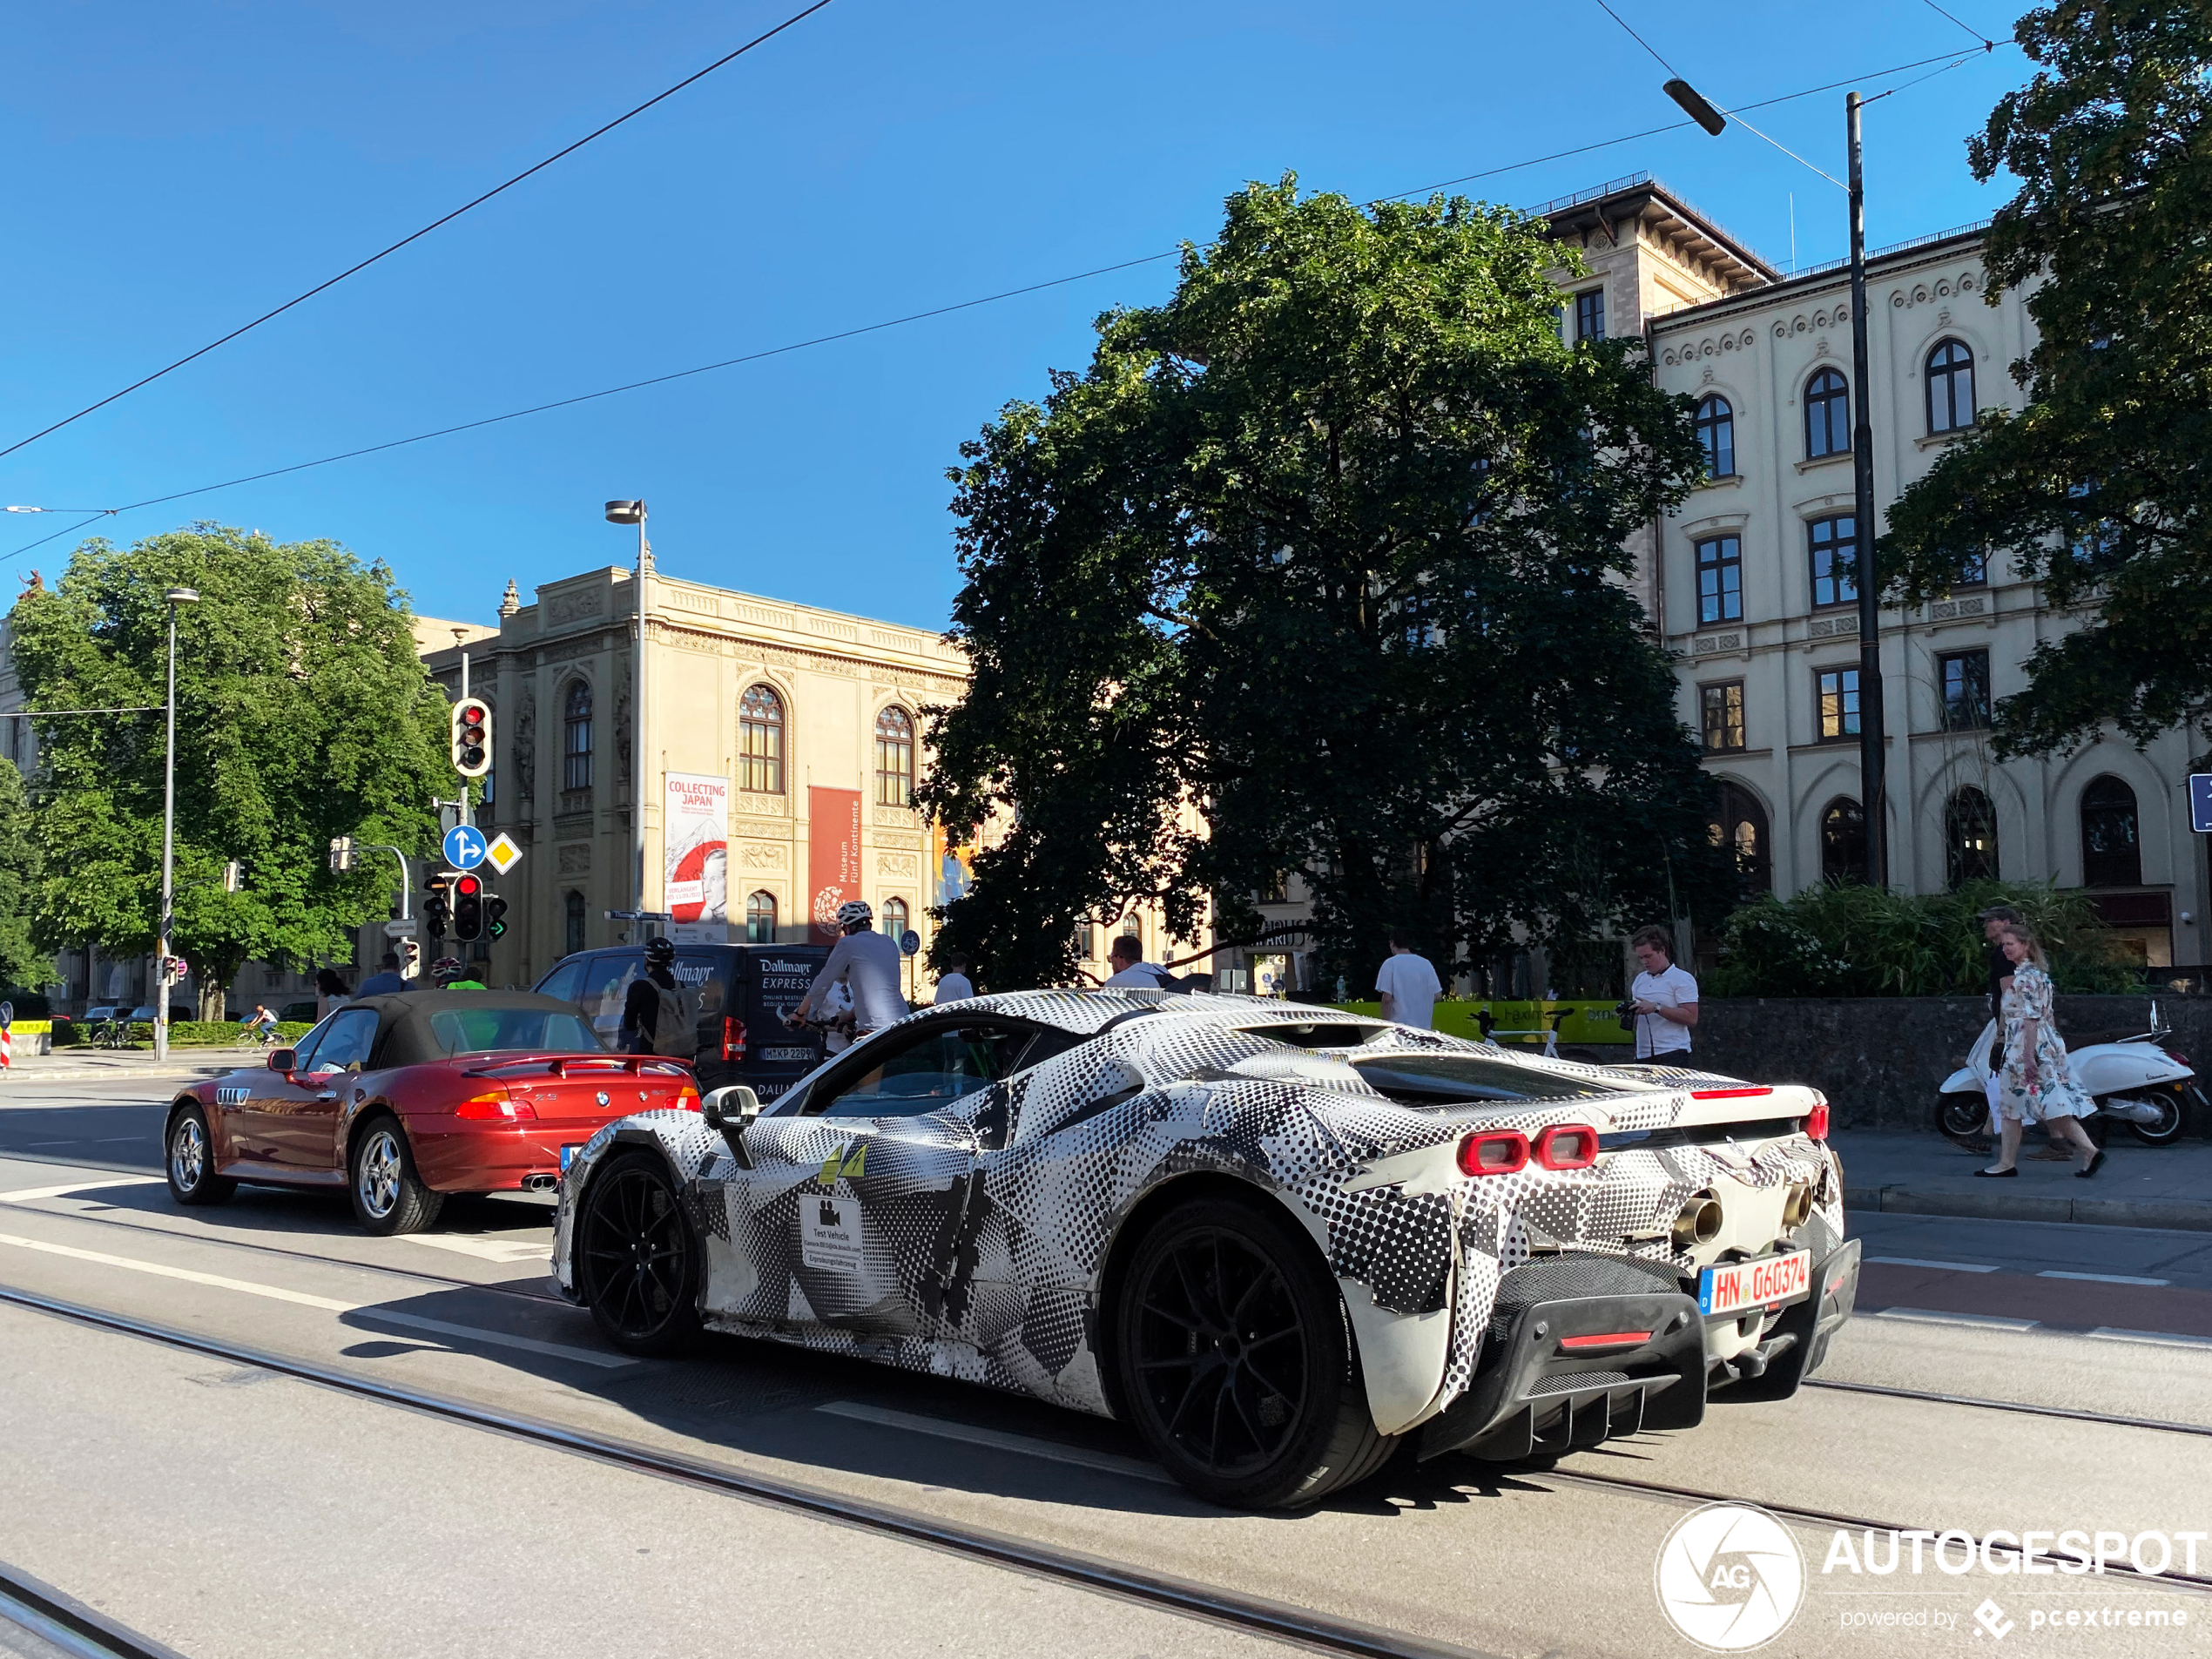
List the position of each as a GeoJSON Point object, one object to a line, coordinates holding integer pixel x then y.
{"type": "Point", "coordinates": [404, 1099]}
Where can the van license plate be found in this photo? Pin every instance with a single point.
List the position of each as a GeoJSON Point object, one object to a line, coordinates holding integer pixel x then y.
{"type": "Point", "coordinates": [1733, 1287]}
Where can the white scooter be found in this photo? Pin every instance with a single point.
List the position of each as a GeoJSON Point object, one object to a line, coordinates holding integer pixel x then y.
{"type": "Point", "coordinates": [2134, 1081]}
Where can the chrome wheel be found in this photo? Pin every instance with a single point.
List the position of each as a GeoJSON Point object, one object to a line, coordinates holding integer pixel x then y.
{"type": "Point", "coordinates": [188, 1154]}
{"type": "Point", "coordinates": [377, 1179]}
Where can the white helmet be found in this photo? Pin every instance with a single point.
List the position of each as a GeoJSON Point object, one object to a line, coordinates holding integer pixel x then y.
{"type": "Point", "coordinates": [855, 913]}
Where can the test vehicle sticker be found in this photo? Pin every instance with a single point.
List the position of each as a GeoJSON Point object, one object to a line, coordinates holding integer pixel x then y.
{"type": "Point", "coordinates": [829, 1234]}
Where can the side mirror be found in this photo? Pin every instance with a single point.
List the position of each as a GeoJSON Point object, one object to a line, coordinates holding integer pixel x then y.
{"type": "Point", "coordinates": [730, 1108]}
{"type": "Point", "coordinates": [283, 1059]}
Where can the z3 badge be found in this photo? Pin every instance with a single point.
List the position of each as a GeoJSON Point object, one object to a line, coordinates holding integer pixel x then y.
{"type": "Point", "coordinates": [829, 1233]}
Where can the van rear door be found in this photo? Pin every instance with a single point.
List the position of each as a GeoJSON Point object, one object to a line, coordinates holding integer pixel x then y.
{"type": "Point", "coordinates": [773, 978]}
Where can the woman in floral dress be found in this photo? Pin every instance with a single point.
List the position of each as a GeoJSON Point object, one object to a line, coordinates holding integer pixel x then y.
{"type": "Point", "coordinates": [2036, 1085]}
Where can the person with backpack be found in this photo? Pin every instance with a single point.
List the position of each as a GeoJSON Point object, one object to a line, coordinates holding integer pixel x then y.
{"type": "Point", "coordinates": [659, 1015]}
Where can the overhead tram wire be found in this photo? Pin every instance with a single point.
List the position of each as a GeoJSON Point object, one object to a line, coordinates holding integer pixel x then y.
{"type": "Point", "coordinates": [796, 18]}
{"type": "Point", "coordinates": [1949, 59]}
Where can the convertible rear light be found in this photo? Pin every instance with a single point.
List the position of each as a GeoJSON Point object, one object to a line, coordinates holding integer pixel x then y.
{"type": "Point", "coordinates": [732, 1037]}
{"type": "Point", "coordinates": [494, 1105]}
{"type": "Point", "coordinates": [1567, 1146]}
{"type": "Point", "coordinates": [1816, 1119]}
{"type": "Point", "coordinates": [1610, 1339]}
{"type": "Point", "coordinates": [1729, 1093]}
{"type": "Point", "coordinates": [1498, 1151]}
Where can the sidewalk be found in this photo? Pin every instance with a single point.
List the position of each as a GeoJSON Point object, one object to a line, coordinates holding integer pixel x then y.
{"type": "Point", "coordinates": [1925, 1175]}
{"type": "Point", "coordinates": [85, 1063]}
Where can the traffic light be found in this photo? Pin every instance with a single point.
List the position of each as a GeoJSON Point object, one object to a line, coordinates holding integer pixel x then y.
{"type": "Point", "coordinates": [437, 909]}
{"type": "Point", "coordinates": [495, 912]}
{"type": "Point", "coordinates": [468, 906]}
{"type": "Point", "coordinates": [410, 958]}
{"type": "Point", "coordinates": [471, 737]}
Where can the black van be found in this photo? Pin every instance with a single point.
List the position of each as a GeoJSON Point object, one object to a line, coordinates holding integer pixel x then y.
{"type": "Point", "coordinates": [743, 991]}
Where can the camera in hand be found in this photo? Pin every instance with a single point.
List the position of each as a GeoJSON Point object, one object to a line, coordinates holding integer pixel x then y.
{"type": "Point", "coordinates": [1625, 1011]}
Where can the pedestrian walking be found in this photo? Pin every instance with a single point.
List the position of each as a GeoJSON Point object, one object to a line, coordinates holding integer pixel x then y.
{"type": "Point", "coordinates": [1663, 997]}
{"type": "Point", "coordinates": [1994, 921]}
{"type": "Point", "coordinates": [2036, 1084]}
{"type": "Point", "coordinates": [387, 982]}
{"type": "Point", "coordinates": [953, 985]}
{"type": "Point", "coordinates": [330, 993]}
{"type": "Point", "coordinates": [1407, 984]}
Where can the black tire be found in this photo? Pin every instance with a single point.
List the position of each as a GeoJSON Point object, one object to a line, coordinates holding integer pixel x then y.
{"type": "Point", "coordinates": [189, 1161]}
{"type": "Point", "coordinates": [636, 1258]}
{"type": "Point", "coordinates": [1210, 1285]}
{"type": "Point", "coordinates": [388, 1196]}
{"type": "Point", "coordinates": [1963, 1119]}
{"type": "Point", "coordinates": [2171, 1121]}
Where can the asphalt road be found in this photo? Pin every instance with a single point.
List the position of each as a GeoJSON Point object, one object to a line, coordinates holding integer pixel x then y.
{"type": "Point", "coordinates": [203, 1492]}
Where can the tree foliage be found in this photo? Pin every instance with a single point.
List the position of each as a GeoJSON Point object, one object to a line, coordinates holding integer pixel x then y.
{"type": "Point", "coordinates": [1316, 567]}
{"type": "Point", "coordinates": [2098, 488]}
{"type": "Point", "coordinates": [303, 713]}
{"type": "Point", "coordinates": [23, 965]}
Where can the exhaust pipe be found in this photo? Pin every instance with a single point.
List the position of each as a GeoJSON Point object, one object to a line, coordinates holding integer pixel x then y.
{"type": "Point", "coordinates": [540, 1183]}
{"type": "Point", "coordinates": [1699, 1223]}
{"type": "Point", "coordinates": [1797, 1209]}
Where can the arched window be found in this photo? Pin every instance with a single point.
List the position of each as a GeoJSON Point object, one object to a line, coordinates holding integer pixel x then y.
{"type": "Point", "coordinates": [760, 918]}
{"type": "Point", "coordinates": [895, 758]}
{"type": "Point", "coordinates": [1843, 841]}
{"type": "Point", "coordinates": [2112, 853]}
{"type": "Point", "coordinates": [1716, 437]}
{"type": "Point", "coordinates": [1742, 827]}
{"type": "Point", "coordinates": [1827, 415]}
{"type": "Point", "coordinates": [571, 924]}
{"type": "Point", "coordinates": [1133, 928]}
{"type": "Point", "coordinates": [575, 736]}
{"type": "Point", "coordinates": [760, 741]}
{"type": "Point", "coordinates": [894, 917]}
{"type": "Point", "coordinates": [1969, 838]}
{"type": "Point", "coordinates": [1951, 387]}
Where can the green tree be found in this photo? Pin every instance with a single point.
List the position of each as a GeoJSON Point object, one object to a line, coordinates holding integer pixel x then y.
{"type": "Point", "coordinates": [1317, 568]}
{"type": "Point", "coordinates": [2097, 489]}
{"type": "Point", "coordinates": [302, 713]}
{"type": "Point", "coordinates": [23, 965]}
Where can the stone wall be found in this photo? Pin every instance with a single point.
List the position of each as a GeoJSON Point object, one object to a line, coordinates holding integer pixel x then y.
{"type": "Point", "coordinates": [1879, 1060]}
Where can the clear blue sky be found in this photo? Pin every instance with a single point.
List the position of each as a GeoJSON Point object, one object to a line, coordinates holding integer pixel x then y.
{"type": "Point", "coordinates": [177, 169]}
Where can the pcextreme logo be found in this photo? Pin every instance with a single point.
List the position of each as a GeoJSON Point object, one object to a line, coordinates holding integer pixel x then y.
{"type": "Point", "coordinates": [1730, 1577]}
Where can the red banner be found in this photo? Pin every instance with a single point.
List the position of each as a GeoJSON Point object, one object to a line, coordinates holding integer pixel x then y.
{"type": "Point", "coordinates": [832, 857]}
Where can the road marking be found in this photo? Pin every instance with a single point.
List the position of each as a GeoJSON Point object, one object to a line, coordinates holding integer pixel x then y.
{"type": "Point", "coordinates": [506, 1251]}
{"type": "Point", "coordinates": [25, 1195]}
{"type": "Point", "coordinates": [2100, 1279]}
{"type": "Point", "coordinates": [2162, 1338]}
{"type": "Point", "coordinates": [328, 1305]}
{"type": "Point", "coordinates": [944, 1430]}
{"type": "Point", "coordinates": [1914, 1261]}
{"type": "Point", "coordinates": [1930, 1315]}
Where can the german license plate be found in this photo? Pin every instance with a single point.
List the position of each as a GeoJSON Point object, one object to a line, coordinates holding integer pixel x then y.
{"type": "Point", "coordinates": [1733, 1287]}
{"type": "Point", "coordinates": [568, 1156]}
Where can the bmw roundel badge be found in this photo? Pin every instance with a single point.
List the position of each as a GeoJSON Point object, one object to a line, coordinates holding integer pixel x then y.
{"type": "Point", "coordinates": [602, 1096]}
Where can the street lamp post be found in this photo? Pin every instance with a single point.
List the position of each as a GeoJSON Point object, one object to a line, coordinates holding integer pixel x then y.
{"type": "Point", "coordinates": [174, 597]}
{"type": "Point", "coordinates": [633, 512]}
{"type": "Point", "coordinates": [1872, 784]}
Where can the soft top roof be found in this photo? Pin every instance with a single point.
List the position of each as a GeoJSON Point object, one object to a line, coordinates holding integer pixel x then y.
{"type": "Point", "coordinates": [403, 1033]}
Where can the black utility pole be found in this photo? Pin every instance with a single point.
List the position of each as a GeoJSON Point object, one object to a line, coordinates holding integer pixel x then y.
{"type": "Point", "coordinates": [1870, 756]}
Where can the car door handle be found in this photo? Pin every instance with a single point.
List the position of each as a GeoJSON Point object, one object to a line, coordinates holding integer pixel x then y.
{"type": "Point", "coordinates": [327, 1094]}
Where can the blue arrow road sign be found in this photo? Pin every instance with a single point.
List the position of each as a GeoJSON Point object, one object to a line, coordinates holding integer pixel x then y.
{"type": "Point", "coordinates": [465, 846]}
{"type": "Point", "coordinates": [2201, 802]}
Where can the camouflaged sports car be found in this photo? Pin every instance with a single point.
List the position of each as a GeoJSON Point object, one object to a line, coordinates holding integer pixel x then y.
{"type": "Point", "coordinates": [1283, 1241]}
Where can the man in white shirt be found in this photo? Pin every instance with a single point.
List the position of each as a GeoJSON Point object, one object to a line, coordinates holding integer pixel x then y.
{"type": "Point", "coordinates": [953, 985]}
{"type": "Point", "coordinates": [1408, 985]}
{"type": "Point", "coordinates": [1665, 997]}
{"type": "Point", "coordinates": [1127, 957]}
{"type": "Point", "coordinates": [867, 964]}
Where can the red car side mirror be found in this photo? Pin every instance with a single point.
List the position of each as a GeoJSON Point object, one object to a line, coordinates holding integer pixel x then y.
{"type": "Point", "coordinates": [283, 1059]}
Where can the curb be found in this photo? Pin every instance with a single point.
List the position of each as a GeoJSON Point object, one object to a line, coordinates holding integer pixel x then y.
{"type": "Point", "coordinates": [2169, 1215]}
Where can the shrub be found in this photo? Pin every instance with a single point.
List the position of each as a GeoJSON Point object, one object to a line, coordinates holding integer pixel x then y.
{"type": "Point", "coordinates": [1845, 939]}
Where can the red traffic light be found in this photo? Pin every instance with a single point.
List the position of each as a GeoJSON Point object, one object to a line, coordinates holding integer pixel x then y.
{"type": "Point", "coordinates": [467, 886]}
{"type": "Point", "coordinates": [472, 714]}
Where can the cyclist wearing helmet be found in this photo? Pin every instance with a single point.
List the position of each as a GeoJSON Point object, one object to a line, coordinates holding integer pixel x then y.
{"type": "Point", "coordinates": [866, 964]}
{"type": "Point", "coordinates": [657, 1013]}
{"type": "Point", "coordinates": [452, 975]}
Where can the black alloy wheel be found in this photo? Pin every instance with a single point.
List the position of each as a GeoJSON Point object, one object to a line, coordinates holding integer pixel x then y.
{"type": "Point", "coordinates": [1236, 1360]}
{"type": "Point", "coordinates": [637, 1257]}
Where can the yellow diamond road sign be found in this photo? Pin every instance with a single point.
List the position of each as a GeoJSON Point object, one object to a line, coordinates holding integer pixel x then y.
{"type": "Point", "coordinates": [503, 854]}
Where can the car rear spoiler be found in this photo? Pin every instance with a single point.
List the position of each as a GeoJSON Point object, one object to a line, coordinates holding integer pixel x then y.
{"type": "Point", "coordinates": [562, 1064]}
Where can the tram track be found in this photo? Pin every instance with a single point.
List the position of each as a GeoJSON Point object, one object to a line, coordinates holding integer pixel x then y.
{"type": "Point", "coordinates": [63, 1622]}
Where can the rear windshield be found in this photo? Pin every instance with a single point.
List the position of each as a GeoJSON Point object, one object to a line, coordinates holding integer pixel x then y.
{"type": "Point", "coordinates": [484, 1030]}
{"type": "Point", "coordinates": [1440, 1080]}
